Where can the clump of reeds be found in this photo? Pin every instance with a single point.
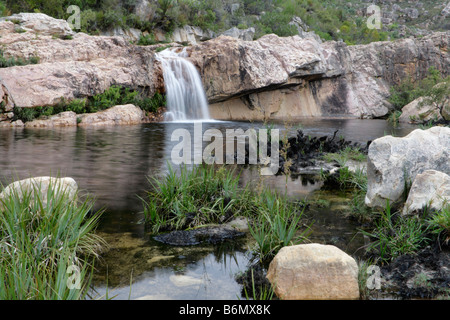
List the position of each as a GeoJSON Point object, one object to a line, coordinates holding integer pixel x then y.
{"type": "Point", "coordinates": [191, 197]}
{"type": "Point", "coordinates": [46, 247]}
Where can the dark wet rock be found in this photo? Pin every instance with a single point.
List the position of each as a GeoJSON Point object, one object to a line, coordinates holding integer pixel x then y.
{"type": "Point", "coordinates": [205, 235]}
{"type": "Point", "coordinates": [425, 275]}
{"type": "Point", "coordinates": [304, 152]}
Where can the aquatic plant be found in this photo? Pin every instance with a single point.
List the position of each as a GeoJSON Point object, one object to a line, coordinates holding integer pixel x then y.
{"type": "Point", "coordinates": [439, 223]}
{"type": "Point", "coordinates": [363, 277]}
{"type": "Point", "coordinates": [276, 224]}
{"type": "Point", "coordinates": [46, 246]}
{"type": "Point", "coordinates": [394, 235]}
{"type": "Point", "coordinates": [343, 156]}
{"type": "Point", "coordinates": [191, 197]}
{"type": "Point", "coordinates": [255, 288]}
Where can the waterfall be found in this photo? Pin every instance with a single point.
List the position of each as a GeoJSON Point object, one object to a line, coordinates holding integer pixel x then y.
{"type": "Point", "coordinates": [186, 98]}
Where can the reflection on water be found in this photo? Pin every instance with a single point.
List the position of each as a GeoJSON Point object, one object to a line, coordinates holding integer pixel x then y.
{"type": "Point", "coordinates": [165, 272]}
{"type": "Point", "coordinates": [114, 163]}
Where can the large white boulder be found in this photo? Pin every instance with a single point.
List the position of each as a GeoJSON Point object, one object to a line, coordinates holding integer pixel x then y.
{"type": "Point", "coordinates": [40, 23]}
{"type": "Point", "coordinates": [66, 187]}
{"type": "Point", "coordinates": [314, 272]}
{"type": "Point", "coordinates": [393, 162]}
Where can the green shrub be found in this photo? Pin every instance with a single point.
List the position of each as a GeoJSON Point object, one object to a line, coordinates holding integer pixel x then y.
{"type": "Point", "coordinates": [409, 90]}
{"type": "Point", "coordinates": [440, 223]}
{"type": "Point", "coordinates": [151, 104]}
{"type": "Point", "coordinates": [113, 96]}
{"type": "Point", "coordinates": [12, 61]}
{"type": "Point", "coordinates": [329, 19]}
{"type": "Point", "coordinates": [3, 9]}
{"type": "Point", "coordinates": [146, 40]}
{"type": "Point", "coordinates": [25, 114]}
{"type": "Point", "coordinates": [77, 106]}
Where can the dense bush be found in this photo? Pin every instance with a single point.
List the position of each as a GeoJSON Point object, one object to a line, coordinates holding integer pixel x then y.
{"type": "Point", "coordinates": [330, 19]}
{"type": "Point", "coordinates": [409, 89]}
{"type": "Point", "coordinates": [114, 96]}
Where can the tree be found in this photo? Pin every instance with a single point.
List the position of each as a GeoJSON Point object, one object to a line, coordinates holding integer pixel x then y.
{"type": "Point", "coordinates": [439, 97]}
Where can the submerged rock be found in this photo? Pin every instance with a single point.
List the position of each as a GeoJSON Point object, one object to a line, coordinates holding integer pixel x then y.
{"type": "Point", "coordinates": [314, 271]}
{"type": "Point", "coordinates": [204, 235]}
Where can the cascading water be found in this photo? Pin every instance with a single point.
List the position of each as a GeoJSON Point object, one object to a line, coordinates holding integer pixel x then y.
{"type": "Point", "coordinates": [186, 98]}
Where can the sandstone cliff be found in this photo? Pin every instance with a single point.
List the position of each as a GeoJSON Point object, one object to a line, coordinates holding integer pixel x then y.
{"type": "Point", "coordinates": [268, 78]}
{"type": "Point", "coordinates": [275, 77]}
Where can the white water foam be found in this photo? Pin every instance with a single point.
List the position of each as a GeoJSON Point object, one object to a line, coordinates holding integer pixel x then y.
{"type": "Point", "coordinates": [186, 98]}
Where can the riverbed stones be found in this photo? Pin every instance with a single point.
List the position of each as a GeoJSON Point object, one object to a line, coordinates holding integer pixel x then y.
{"type": "Point", "coordinates": [314, 272]}
{"type": "Point", "coordinates": [430, 189]}
{"type": "Point", "coordinates": [66, 187]}
{"type": "Point", "coordinates": [393, 163]}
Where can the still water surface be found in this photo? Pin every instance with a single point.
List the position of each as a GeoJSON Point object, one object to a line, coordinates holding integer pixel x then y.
{"type": "Point", "coordinates": [114, 163]}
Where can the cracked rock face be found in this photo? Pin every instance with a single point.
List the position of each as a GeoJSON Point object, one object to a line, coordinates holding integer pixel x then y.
{"type": "Point", "coordinates": [322, 78]}
{"type": "Point", "coordinates": [394, 162]}
{"type": "Point", "coordinates": [80, 66]}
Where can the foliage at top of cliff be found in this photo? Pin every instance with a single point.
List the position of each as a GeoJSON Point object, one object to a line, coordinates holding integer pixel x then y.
{"type": "Point", "coordinates": [330, 19]}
